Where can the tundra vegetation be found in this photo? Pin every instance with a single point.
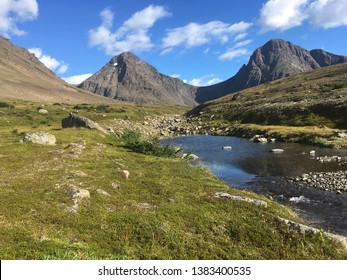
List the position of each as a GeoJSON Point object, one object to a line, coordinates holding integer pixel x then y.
{"type": "Point", "coordinates": [306, 108]}
{"type": "Point", "coordinates": [72, 200]}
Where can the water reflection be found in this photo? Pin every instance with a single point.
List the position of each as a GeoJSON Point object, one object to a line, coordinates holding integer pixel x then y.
{"type": "Point", "coordinates": [252, 166]}
{"type": "Point", "coordinates": [247, 160]}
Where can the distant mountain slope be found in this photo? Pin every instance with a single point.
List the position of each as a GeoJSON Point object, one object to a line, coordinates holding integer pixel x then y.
{"type": "Point", "coordinates": [23, 76]}
{"type": "Point", "coordinates": [126, 77]}
{"type": "Point", "coordinates": [317, 97]}
{"type": "Point", "coordinates": [276, 59]}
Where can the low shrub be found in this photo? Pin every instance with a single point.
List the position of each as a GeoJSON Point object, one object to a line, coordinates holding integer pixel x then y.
{"type": "Point", "coordinates": [6, 105]}
{"type": "Point", "coordinates": [135, 142]}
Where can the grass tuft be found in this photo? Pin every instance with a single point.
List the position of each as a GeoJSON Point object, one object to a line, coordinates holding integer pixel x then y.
{"type": "Point", "coordinates": [134, 141]}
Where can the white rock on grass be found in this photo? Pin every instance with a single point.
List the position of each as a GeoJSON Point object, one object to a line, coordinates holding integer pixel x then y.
{"type": "Point", "coordinates": [102, 192]}
{"type": "Point", "coordinates": [78, 195]}
{"type": "Point", "coordinates": [43, 111]}
{"type": "Point", "coordinates": [240, 198]}
{"type": "Point", "coordinates": [42, 138]}
{"type": "Point", "coordinates": [189, 156]}
{"type": "Point", "coordinates": [125, 174]}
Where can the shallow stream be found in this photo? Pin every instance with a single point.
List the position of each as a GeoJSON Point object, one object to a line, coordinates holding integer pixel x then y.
{"type": "Point", "coordinates": [251, 165]}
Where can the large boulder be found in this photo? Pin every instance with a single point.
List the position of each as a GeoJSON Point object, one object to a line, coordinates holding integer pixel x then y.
{"type": "Point", "coordinates": [75, 120]}
{"type": "Point", "coordinates": [42, 138]}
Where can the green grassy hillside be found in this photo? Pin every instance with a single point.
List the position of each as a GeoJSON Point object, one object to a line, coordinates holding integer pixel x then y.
{"type": "Point", "coordinates": [294, 108]}
{"type": "Point", "coordinates": [164, 210]}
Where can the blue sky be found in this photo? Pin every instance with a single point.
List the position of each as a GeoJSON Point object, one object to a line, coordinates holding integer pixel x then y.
{"type": "Point", "coordinates": [200, 42]}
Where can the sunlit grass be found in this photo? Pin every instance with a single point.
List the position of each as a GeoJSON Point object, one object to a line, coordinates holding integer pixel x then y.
{"type": "Point", "coordinates": [165, 210]}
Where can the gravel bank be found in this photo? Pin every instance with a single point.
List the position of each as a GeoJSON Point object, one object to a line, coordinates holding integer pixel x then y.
{"type": "Point", "coordinates": [320, 208]}
{"type": "Point", "coordinates": [327, 181]}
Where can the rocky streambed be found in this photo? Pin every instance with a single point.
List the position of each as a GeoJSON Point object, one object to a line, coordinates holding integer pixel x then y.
{"type": "Point", "coordinates": [327, 181]}
{"type": "Point", "coordinates": [320, 208]}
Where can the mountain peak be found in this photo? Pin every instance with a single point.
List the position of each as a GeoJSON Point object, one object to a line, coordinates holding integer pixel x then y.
{"type": "Point", "coordinates": [275, 59]}
{"type": "Point", "coordinates": [127, 77]}
{"type": "Point", "coordinates": [276, 42]}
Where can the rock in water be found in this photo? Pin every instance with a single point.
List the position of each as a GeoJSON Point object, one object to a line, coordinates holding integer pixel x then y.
{"type": "Point", "coordinates": [42, 138]}
{"type": "Point", "coordinates": [260, 139]}
{"type": "Point", "coordinates": [80, 121]}
{"type": "Point", "coordinates": [277, 151]}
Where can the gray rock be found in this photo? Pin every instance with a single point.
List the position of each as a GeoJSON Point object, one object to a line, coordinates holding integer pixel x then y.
{"type": "Point", "coordinates": [79, 193]}
{"type": "Point", "coordinates": [75, 120]}
{"type": "Point", "coordinates": [260, 139]}
{"type": "Point", "coordinates": [102, 192]}
{"type": "Point", "coordinates": [303, 229]}
{"type": "Point", "coordinates": [240, 198]}
{"type": "Point", "coordinates": [190, 156]}
{"type": "Point", "coordinates": [42, 138]}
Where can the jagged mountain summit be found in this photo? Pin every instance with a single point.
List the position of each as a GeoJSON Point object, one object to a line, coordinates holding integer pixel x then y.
{"type": "Point", "coordinates": [23, 76]}
{"type": "Point", "coordinates": [276, 59]}
{"type": "Point", "coordinates": [127, 77]}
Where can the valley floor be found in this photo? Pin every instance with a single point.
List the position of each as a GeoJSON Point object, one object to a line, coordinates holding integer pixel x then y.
{"type": "Point", "coordinates": [89, 197]}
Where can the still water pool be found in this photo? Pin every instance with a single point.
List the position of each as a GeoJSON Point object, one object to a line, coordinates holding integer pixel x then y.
{"type": "Point", "coordinates": [246, 160]}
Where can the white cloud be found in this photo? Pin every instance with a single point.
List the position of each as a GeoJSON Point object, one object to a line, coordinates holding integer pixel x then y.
{"type": "Point", "coordinates": [283, 14]}
{"type": "Point", "coordinates": [233, 53]}
{"type": "Point", "coordinates": [55, 65]}
{"type": "Point", "coordinates": [133, 35]}
{"type": "Point", "coordinates": [63, 68]}
{"type": "Point", "coordinates": [243, 43]}
{"type": "Point", "coordinates": [328, 13]}
{"type": "Point", "coordinates": [178, 76]}
{"type": "Point", "coordinates": [236, 51]}
{"type": "Point", "coordinates": [77, 79]}
{"type": "Point", "coordinates": [16, 11]}
{"type": "Point", "coordinates": [195, 34]}
{"type": "Point", "coordinates": [205, 80]}
{"type": "Point", "coordinates": [240, 36]}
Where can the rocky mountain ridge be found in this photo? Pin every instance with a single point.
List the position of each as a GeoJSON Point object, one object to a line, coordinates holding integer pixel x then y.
{"type": "Point", "coordinates": [276, 59]}
{"type": "Point", "coordinates": [126, 77]}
